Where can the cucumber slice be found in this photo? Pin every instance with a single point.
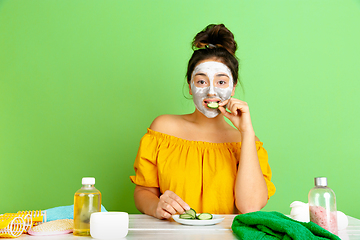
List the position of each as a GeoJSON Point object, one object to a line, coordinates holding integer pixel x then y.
{"type": "Point", "coordinates": [205, 216]}
{"type": "Point", "coordinates": [213, 105]}
{"type": "Point", "coordinates": [192, 212]}
{"type": "Point", "coordinates": [186, 216]}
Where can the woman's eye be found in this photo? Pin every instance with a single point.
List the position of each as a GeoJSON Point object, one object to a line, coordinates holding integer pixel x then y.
{"type": "Point", "coordinates": [201, 82]}
{"type": "Point", "coordinates": [221, 82]}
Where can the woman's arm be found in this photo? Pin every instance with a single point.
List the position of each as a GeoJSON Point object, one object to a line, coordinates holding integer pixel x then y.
{"type": "Point", "coordinates": [250, 187]}
{"type": "Point", "coordinates": [251, 192]}
{"type": "Point", "coordinates": [149, 201]}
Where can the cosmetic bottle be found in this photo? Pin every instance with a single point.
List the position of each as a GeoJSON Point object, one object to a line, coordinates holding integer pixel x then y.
{"type": "Point", "coordinates": [322, 205]}
{"type": "Point", "coordinates": [87, 200]}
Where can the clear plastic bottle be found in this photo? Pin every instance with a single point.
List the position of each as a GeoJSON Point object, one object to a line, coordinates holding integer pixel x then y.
{"type": "Point", "coordinates": [86, 201]}
{"type": "Point", "coordinates": [322, 206]}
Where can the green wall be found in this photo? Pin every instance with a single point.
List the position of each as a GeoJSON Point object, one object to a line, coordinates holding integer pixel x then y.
{"type": "Point", "coordinates": [80, 81]}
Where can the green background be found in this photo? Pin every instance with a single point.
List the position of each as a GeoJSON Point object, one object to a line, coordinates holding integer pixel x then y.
{"type": "Point", "coordinates": [80, 81]}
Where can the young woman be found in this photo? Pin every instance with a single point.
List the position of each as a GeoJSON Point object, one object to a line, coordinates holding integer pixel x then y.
{"type": "Point", "coordinates": [198, 160]}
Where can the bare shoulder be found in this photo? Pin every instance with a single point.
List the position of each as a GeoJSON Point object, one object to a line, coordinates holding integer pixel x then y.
{"type": "Point", "coordinates": [167, 124]}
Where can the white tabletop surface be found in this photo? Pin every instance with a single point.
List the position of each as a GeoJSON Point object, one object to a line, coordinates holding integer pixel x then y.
{"type": "Point", "coordinates": [146, 227]}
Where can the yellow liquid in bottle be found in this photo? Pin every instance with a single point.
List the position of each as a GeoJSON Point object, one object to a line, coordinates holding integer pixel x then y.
{"type": "Point", "coordinates": [85, 203]}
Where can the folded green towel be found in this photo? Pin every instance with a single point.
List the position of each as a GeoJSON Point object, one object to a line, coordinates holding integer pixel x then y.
{"type": "Point", "coordinates": [275, 225]}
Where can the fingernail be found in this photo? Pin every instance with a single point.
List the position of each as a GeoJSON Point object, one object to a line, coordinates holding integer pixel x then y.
{"type": "Point", "coordinates": [187, 207]}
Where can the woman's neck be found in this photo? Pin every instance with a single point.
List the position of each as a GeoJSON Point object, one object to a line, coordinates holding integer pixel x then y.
{"type": "Point", "coordinates": [204, 122]}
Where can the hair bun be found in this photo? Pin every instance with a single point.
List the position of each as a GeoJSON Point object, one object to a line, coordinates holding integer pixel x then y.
{"type": "Point", "coordinates": [215, 35]}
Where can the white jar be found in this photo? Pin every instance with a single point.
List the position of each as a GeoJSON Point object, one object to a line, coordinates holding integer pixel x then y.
{"type": "Point", "coordinates": [109, 225]}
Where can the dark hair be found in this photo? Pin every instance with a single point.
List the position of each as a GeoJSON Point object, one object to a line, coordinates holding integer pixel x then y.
{"type": "Point", "coordinates": [215, 41]}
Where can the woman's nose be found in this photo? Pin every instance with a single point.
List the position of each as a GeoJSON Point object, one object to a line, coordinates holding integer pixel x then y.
{"type": "Point", "coordinates": [211, 91]}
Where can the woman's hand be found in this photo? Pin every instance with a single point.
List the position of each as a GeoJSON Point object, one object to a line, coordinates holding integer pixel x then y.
{"type": "Point", "coordinates": [170, 204]}
{"type": "Point", "coordinates": [239, 114]}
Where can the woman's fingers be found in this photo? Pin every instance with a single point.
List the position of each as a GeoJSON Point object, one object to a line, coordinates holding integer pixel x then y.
{"type": "Point", "coordinates": [168, 208]}
{"type": "Point", "coordinates": [224, 112]}
{"type": "Point", "coordinates": [236, 107]}
{"type": "Point", "coordinates": [163, 210]}
{"type": "Point", "coordinates": [238, 113]}
{"type": "Point", "coordinates": [177, 203]}
{"type": "Point", "coordinates": [222, 104]}
{"type": "Point", "coordinates": [161, 214]}
{"type": "Point", "coordinates": [170, 204]}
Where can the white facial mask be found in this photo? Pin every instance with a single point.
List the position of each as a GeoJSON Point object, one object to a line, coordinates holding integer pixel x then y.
{"type": "Point", "coordinates": [211, 69]}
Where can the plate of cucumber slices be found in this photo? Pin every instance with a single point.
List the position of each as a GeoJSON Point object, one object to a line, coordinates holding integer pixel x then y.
{"type": "Point", "coordinates": [190, 217]}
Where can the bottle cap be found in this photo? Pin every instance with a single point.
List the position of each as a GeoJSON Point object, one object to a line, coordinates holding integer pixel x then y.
{"type": "Point", "coordinates": [321, 182]}
{"type": "Point", "coordinates": [88, 181]}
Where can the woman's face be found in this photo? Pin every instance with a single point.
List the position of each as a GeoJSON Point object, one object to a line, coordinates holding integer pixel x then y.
{"type": "Point", "coordinates": [211, 81]}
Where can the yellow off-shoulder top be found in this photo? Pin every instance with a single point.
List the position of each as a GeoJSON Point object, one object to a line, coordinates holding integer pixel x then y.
{"type": "Point", "coordinates": [201, 173]}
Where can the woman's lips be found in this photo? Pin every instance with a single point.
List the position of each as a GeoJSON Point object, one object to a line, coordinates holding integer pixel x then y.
{"type": "Point", "coordinates": [207, 101]}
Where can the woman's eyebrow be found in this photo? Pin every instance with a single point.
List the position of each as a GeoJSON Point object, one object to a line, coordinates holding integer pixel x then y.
{"type": "Point", "coordinates": [200, 73]}
{"type": "Point", "coordinates": [222, 75]}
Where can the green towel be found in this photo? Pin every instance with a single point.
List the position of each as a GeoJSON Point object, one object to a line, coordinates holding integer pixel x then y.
{"type": "Point", "coordinates": [275, 225]}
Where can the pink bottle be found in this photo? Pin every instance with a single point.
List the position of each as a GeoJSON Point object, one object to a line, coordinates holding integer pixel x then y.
{"type": "Point", "coordinates": [322, 206]}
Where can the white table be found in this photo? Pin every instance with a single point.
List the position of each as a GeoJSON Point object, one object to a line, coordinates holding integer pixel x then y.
{"type": "Point", "coordinates": [146, 227]}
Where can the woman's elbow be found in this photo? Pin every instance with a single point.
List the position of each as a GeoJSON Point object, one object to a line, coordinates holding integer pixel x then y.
{"type": "Point", "coordinates": [244, 210]}
{"type": "Point", "coordinates": [247, 209]}
{"type": "Point", "coordinates": [250, 206]}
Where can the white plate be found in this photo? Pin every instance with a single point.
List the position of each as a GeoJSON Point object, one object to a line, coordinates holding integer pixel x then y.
{"type": "Point", "coordinates": [196, 222]}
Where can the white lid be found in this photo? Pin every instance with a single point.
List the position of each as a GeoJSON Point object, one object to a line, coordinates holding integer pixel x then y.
{"type": "Point", "coordinates": [88, 181]}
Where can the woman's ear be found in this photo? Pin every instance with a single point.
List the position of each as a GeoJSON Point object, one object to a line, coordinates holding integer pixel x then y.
{"type": "Point", "coordinates": [233, 91]}
{"type": "Point", "coordinates": [190, 89]}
